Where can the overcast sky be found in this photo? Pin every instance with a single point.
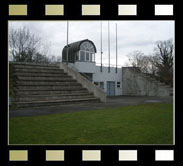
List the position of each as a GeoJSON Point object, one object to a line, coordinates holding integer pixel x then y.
{"type": "Point", "coordinates": [132, 35]}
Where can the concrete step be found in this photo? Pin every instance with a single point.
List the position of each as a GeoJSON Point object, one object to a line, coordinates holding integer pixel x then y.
{"type": "Point", "coordinates": [24, 74]}
{"type": "Point", "coordinates": [55, 92]}
{"type": "Point", "coordinates": [28, 98]}
{"type": "Point", "coordinates": [165, 86]}
{"type": "Point", "coordinates": [157, 82]}
{"type": "Point", "coordinates": [47, 79]}
{"type": "Point", "coordinates": [44, 83]}
{"type": "Point", "coordinates": [55, 102]}
{"type": "Point", "coordinates": [82, 93]}
{"type": "Point", "coordinates": [33, 70]}
{"type": "Point", "coordinates": [33, 65]}
{"type": "Point", "coordinates": [44, 78]}
{"type": "Point", "coordinates": [49, 88]}
{"type": "Point", "coordinates": [161, 83]}
{"type": "Point", "coordinates": [148, 77]}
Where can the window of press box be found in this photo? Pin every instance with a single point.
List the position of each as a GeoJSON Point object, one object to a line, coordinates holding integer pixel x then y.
{"type": "Point", "coordinates": [118, 84]}
{"type": "Point", "coordinates": [101, 85]}
{"type": "Point", "coordinates": [86, 52]}
{"type": "Point", "coordinates": [96, 83]}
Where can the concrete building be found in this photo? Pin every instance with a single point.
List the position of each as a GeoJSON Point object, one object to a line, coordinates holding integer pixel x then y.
{"type": "Point", "coordinates": [77, 80]}
{"type": "Point", "coordinates": [80, 56]}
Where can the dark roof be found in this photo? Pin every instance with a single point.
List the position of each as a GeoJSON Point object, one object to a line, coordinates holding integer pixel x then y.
{"type": "Point", "coordinates": [73, 48]}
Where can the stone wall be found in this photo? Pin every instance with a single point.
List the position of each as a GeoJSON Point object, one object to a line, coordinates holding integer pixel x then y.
{"type": "Point", "coordinates": [139, 84]}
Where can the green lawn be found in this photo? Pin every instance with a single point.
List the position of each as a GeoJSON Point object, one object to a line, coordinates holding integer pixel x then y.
{"type": "Point", "coordinates": [140, 124]}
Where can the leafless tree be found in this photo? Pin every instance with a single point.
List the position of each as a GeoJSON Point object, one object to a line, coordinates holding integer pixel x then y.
{"type": "Point", "coordinates": [164, 51]}
{"type": "Point", "coordinates": [159, 64]}
{"type": "Point", "coordinates": [138, 59]}
{"type": "Point", "coordinates": [153, 60]}
{"type": "Point", "coordinates": [25, 46]}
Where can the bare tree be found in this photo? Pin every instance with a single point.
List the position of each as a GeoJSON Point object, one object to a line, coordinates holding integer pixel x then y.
{"type": "Point", "coordinates": [54, 59]}
{"type": "Point", "coordinates": [153, 60]}
{"type": "Point", "coordinates": [138, 59]}
{"type": "Point", "coordinates": [159, 64]}
{"type": "Point", "coordinates": [40, 58]}
{"type": "Point", "coordinates": [164, 52]}
{"type": "Point", "coordinates": [45, 47]}
{"type": "Point", "coordinates": [22, 44]}
{"type": "Point", "coordinates": [25, 46]}
{"type": "Point", "coordinates": [59, 59]}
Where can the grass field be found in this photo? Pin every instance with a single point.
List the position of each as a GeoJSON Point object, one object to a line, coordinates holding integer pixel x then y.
{"type": "Point", "coordinates": [140, 124]}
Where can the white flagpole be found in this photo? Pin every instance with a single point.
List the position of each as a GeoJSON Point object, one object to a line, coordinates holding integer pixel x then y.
{"type": "Point", "coordinates": [67, 40]}
{"type": "Point", "coordinates": [109, 45]}
{"type": "Point", "coordinates": [101, 44]}
{"type": "Point", "coordinates": [116, 49]}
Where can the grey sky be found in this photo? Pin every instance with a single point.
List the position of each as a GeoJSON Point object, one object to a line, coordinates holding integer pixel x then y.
{"type": "Point", "coordinates": [132, 35]}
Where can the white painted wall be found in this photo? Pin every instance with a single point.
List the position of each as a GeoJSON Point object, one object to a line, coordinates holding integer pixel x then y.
{"type": "Point", "coordinates": [105, 76]}
{"type": "Point", "coordinates": [85, 67]}
{"type": "Point", "coordinates": [98, 76]}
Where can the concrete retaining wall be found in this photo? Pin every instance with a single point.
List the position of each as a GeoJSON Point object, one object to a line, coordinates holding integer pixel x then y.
{"type": "Point", "coordinates": [139, 84]}
{"type": "Point", "coordinates": [98, 92]}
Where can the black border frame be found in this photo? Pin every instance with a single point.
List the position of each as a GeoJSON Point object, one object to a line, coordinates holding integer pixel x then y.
{"type": "Point", "coordinates": [72, 11]}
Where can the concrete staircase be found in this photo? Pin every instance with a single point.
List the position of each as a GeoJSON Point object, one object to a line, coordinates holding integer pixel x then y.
{"type": "Point", "coordinates": [34, 85]}
{"type": "Point", "coordinates": [140, 84]}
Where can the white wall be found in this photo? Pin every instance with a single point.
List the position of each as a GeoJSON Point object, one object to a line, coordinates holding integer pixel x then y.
{"type": "Point", "coordinates": [98, 76]}
{"type": "Point", "coordinates": [85, 67]}
{"type": "Point", "coordinates": [105, 76]}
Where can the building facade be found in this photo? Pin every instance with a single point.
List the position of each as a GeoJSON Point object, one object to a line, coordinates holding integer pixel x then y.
{"type": "Point", "coordinates": [80, 56]}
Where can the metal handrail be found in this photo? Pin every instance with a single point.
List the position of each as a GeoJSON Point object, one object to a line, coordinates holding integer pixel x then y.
{"type": "Point", "coordinates": [107, 65]}
{"type": "Point", "coordinates": [83, 74]}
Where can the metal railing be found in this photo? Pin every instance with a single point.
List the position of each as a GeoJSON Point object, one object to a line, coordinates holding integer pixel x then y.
{"type": "Point", "coordinates": [86, 76]}
{"type": "Point", "coordinates": [107, 65]}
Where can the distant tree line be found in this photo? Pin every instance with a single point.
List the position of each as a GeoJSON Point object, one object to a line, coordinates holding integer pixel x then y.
{"type": "Point", "coordinates": [25, 46]}
{"type": "Point", "coordinates": [158, 65]}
